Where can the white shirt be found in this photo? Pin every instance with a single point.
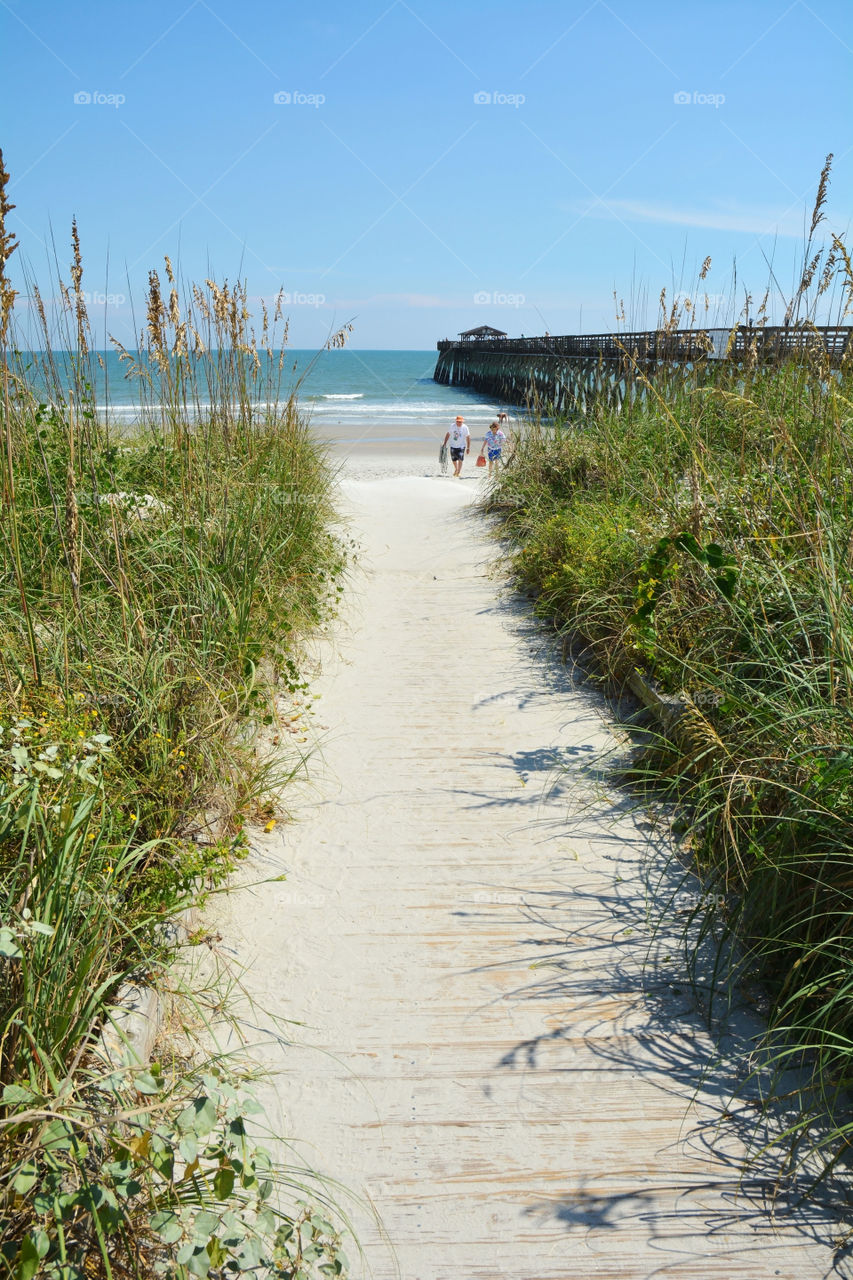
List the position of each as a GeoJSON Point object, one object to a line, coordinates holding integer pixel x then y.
{"type": "Point", "coordinates": [459, 433]}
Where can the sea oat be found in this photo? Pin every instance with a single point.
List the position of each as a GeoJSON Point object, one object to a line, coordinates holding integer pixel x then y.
{"type": "Point", "coordinates": [808, 273]}
{"type": "Point", "coordinates": [339, 338]}
{"type": "Point", "coordinates": [820, 200]}
{"type": "Point", "coordinates": [828, 272]}
{"type": "Point", "coordinates": [156, 314]}
{"type": "Point", "coordinates": [8, 245]}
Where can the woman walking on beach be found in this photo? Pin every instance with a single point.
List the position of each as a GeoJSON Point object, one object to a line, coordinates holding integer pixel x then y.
{"type": "Point", "coordinates": [460, 444]}
{"type": "Point", "coordinates": [493, 441]}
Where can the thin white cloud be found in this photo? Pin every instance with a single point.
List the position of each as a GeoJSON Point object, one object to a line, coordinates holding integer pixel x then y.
{"type": "Point", "coordinates": [791, 222]}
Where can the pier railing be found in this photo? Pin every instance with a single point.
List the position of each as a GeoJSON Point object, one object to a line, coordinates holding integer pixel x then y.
{"type": "Point", "coordinates": [570, 372]}
{"type": "Point", "coordinates": [743, 342]}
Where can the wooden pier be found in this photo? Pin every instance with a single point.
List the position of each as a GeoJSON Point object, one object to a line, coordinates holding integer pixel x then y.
{"type": "Point", "coordinates": [565, 374]}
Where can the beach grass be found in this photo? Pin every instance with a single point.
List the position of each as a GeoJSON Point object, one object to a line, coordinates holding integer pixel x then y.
{"type": "Point", "coordinates": [157, 586]}
{"type": "Point", "coordinates": [701, 534]}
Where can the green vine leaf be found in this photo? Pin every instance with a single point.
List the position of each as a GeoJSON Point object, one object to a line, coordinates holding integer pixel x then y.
{"type": "Point", "coordinates": [27, 1260]}
{"type": "Point", "coordinates": [656, 569]}
{"type": "Point", "coordinates": [167, 1226]}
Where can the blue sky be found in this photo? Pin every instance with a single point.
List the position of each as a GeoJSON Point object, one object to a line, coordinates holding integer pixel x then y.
{"type": "Point", "coordinates": [427, 166]}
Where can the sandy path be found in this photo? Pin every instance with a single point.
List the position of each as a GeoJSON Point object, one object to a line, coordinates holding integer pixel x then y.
{"type": "Point", "coordinates": [463, 932]}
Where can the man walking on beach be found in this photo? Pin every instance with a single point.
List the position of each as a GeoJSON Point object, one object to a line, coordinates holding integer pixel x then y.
{"type": "Point", "coordinates": [460, 444]}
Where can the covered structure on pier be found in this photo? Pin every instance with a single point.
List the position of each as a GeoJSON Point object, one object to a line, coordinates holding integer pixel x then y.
{"type": "Point", "coordinates": [480, 333]}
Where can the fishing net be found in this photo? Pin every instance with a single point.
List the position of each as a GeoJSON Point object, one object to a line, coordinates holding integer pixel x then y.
{"type": "Point", "coordinates": [443, 457]}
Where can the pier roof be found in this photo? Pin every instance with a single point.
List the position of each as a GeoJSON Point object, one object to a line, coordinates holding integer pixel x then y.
{"type": "Point", "coordinates": [483, 331]}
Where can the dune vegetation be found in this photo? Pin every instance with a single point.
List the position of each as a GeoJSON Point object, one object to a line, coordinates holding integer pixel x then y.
{"type": "Point", "coordinates": [702, 535]}
{"type": "Point", "coordinates": [157, 582]}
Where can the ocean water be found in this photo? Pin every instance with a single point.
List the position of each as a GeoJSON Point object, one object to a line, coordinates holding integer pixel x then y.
{"type": "Point", "coordinates": [375, 397]}
{"type": "Point", "coordinates": [356, 399]}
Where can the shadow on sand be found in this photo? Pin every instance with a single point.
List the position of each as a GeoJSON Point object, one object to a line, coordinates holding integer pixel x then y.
{"type": "Point", "coordinates": [638, 974]}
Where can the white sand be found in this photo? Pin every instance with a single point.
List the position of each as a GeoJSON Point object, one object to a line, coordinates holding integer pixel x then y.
{"type": "Point", "coordinates": [386, 465]}
{"type": "Point", "coordinates": [498, 1062]}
